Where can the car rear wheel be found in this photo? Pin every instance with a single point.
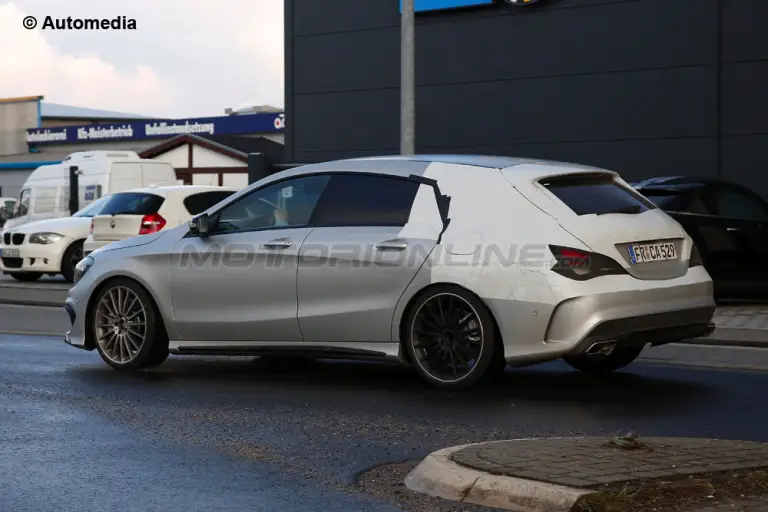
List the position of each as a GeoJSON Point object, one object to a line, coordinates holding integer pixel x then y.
{"type": "Point", "coordinates": [598, 364]}
{"type": "Point", "coordinates": [451, 337]}
{"type": "Point", "coordinates": [26, 277]}
{"type": "Point", "coordinates": [71, 258]}
{"type": "Point", "coordinates": [126, 327]}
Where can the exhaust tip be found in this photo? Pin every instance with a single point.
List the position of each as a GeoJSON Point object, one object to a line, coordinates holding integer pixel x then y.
{"type": "Point", "coordinates": [601, 348]}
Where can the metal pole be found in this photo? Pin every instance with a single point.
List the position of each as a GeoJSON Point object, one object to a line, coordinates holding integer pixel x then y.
{"type": "Point", "coordinates": [407, 80]}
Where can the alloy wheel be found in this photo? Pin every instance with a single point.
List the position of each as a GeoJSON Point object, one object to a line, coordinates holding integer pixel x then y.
{"type": "Point", "coordinates": [447, 337]}
{"type": "Point", "coordinates": [120, 324]}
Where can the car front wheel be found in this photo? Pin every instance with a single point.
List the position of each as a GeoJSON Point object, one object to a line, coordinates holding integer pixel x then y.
{"type": "Point", "coordinates": [451, 337]}
{"type": "Point", "coordinates": [126, 327]}
{"type": "Point", "coordinates": [70, 259]}
{"type": "Point", "coordinates": [598, 364]}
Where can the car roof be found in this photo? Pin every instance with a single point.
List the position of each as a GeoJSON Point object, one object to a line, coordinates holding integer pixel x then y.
{"type": "Point", "coordinates": [404, 165]}
{"type": "Point", "coordinates": [167, 190]}
{"type": "Point", "coordinates": [486, 161]}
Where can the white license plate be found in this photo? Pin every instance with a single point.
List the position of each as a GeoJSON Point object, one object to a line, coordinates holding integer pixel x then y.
{"type": "Point", "coordinates": [652, 252]}
{"type": "Point", "coordinates": [10, 253]}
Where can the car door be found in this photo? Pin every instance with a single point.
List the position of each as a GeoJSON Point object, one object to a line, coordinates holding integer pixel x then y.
{"type": "Point", "coordinates": [741, 224]}
{"type": "Point", "coordinates": [372, 234]}
{"type": "Point", "coordinates": [238, 284]}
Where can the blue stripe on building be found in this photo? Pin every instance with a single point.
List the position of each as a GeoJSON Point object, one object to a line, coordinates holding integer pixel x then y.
{"type": "Point", "coordinates": [159, 129]}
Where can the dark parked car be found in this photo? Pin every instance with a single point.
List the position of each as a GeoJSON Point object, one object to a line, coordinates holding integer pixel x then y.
{"type": "Point", "coordinates": [728, 223]}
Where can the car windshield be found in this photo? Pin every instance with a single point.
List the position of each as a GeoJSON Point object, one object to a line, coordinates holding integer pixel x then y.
{"type": "Point", "coordinates": [93, 208]}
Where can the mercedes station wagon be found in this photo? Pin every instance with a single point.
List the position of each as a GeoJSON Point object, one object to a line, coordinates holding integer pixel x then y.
{"type": "Point", "coordinates": [457, 265]}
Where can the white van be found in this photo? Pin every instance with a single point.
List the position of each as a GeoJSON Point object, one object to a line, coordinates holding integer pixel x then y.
{"type": "Point", "coordinates": [45, 194]}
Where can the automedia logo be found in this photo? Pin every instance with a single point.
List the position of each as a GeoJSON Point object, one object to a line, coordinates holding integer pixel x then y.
{"type": "Point", "coordinates": [70, 23]}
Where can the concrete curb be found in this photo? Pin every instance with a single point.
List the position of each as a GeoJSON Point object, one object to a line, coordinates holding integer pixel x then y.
{"type": "Point", "coordinates": [439, 476]}
{"type": "Point", "coordinates": [729, 336]}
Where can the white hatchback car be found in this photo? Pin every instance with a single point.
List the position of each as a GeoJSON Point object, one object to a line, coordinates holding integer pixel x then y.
{"type": "Point", "coordinates": [148, 210]}
{"type": "Point", "coordinates": [50, 246]}
{"type": "Point", "coordinates": [456, 264]}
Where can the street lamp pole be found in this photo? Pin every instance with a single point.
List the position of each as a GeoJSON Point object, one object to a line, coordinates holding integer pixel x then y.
{"type": "Point", "coordinates": [407, 80]}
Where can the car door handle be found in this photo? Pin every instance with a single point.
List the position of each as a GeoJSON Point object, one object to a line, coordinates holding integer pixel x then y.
{"type": "Point", "coordinates": [732, 230]}
{"type": "Point", "coordinates": [396, 244]}
{"type": "Point", "coordinates": [279, 243]}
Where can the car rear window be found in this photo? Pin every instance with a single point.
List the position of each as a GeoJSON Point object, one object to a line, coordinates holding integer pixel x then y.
{"type": "Point", "coordinates": [667, 201]}
{"type": "Point", "coordinates": [596, 195]}
{"type": "Point", "coordinates": [198, 203]}
{"type": "Point", "coordinates": [132, 203]}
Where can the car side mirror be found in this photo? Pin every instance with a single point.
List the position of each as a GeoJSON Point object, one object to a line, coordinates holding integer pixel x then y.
{"type": "Point", "coordinates": [200, 225]}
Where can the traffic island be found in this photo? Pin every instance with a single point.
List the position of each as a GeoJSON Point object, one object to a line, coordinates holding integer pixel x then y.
{"type": "Point", "coordinates": [598, 474]}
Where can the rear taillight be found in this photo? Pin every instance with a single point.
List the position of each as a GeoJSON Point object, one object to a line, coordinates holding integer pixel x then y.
{"type": "Point", "coordinates": [91, 230]}
{"type": "Point", "coordinates": [151, 224]}
{"type": "Point", "coordinates": [695, 259]}
{"type": "Point", "coordinates": [583, 265]}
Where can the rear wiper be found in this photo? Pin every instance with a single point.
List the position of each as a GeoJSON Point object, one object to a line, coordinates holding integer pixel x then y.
{"type": "Point", "coordinates": [626, 209]}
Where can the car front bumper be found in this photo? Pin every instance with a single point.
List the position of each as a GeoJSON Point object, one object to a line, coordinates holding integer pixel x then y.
{"type": "Point", "coordinates": [76, 307]}
{"type": "Point", "coordinates": [34, 257]}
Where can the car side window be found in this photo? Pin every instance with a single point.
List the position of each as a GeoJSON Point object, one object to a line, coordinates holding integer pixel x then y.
{"type": "Point", "coordinates": [366, 200]}
{"type": "Point", "coordinates": [737, 204]}
{"type": "Point", "coordinates": [22, 208]}
{"type": "Point", "coordinates": [198, 203]}
{"type": "Point", "coordinates": [288, 203]}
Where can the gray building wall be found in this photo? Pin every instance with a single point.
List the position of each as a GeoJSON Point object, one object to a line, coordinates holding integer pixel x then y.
{"type": "Point", "coordinates": [11, 182]}
{"type": "Point", "coordinates": [15, 118]}
{"type": "Point", "coordinates": [645, 87]}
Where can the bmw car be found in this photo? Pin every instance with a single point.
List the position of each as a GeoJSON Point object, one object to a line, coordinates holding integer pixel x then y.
{"type": "Point", "coordinates": [456, 265]}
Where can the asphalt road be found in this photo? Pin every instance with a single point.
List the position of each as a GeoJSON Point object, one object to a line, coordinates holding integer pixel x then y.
{"type": "Point", "coordinates": [236, 435]}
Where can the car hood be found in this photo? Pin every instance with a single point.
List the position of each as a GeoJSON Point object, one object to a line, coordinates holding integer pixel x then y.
{"type": "Point", "coordinates": [11, 223]}
{"type": "Point", "coordinates": [135, 241]}
{"type": "Point", "coordinates": [67, 226]}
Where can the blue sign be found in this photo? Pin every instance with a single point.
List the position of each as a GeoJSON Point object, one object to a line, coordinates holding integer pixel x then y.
{"type": "Point", "coordinates": [442, 5]}
{"type": "Point", "coordinates": [158, 129]}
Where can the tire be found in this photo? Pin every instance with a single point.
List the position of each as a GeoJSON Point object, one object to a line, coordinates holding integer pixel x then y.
{"type": "Point", "coordinates": [598, 364]}
{"type": "Point", "coordinates": [157, 355]}
{"type": "Point", "coordinates": [72, 256]}
{"type": "Point", "coordinates": [451, 338]}
{"type": "Point", "coordinates": [26, 277]}
{"type": "Point", "coordinates": [133, 345]}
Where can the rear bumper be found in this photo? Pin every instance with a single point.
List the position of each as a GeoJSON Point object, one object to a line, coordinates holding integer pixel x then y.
{"type": "Point", "coordinates": [662, 312]}
{"type": "Point", "coordinates": [667, 328]}
{"type": "Point", "coordinates": [624, 313]}
{"type": "Point", "coordinates": [91, 245]}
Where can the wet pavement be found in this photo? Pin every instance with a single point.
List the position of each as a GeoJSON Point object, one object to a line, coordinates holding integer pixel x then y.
{"type": "Point", "coordinates": [232, 435]}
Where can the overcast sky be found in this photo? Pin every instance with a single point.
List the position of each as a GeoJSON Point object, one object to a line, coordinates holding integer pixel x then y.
{"type": "Point", "coordinates": [187, 58]}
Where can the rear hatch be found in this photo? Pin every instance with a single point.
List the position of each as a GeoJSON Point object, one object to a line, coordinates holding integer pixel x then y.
{"type": "Point", "coordinates": [611, 218]}
{"type": "Point", "coordinates": [128, 214]}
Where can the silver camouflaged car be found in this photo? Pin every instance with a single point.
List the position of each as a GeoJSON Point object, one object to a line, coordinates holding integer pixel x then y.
{"type": "Point", "coordinates": [458, 265]}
